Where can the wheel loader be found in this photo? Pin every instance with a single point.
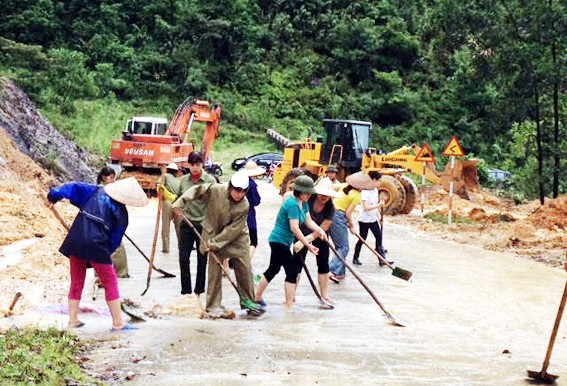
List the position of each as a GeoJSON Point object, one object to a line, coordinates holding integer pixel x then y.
{"type": "Point", "coordinates": [346, 145]}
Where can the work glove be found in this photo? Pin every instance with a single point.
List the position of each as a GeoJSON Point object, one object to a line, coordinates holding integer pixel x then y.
{"type": "Point", "coordinates": [171, 197]}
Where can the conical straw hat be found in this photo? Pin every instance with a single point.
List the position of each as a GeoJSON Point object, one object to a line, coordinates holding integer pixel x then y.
{"type": "Point", "coordinates": [325, 187]}
{"type": "Point", "coordinates": [127, 191]}
{"type": "Point", "coordinates": [253, 170]}
{"type": "Point", "coordinates": [361, 181]}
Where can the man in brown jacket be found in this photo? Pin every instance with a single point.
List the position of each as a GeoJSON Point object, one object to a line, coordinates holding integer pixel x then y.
{"type": "Point", "coordinates": [225, 233]}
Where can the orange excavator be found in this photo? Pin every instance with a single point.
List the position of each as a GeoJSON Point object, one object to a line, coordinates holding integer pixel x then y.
{"type": "Point", "coordinates": [148, 144]}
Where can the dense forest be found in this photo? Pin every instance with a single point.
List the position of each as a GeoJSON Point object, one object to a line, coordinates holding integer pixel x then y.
{"type": "Point", "coordinates": [491, 72]}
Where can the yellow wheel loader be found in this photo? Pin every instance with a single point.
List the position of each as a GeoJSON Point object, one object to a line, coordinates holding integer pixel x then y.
{"type": "Point", "coordinates": [346, 145]}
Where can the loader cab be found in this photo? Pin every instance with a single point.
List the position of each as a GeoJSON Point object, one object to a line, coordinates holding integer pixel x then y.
{"type": "Point", "coordinates": [354, 138]}
{"type": "Point", "coordinates": [147, 125]}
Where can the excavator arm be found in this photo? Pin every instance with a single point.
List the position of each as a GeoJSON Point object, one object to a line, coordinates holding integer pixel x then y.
{"type": "Point", "coordinates": [196, 110]}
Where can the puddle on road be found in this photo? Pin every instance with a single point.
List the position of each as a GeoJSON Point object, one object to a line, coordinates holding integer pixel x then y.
{"type": "Point", "coordinates": [13, 253]}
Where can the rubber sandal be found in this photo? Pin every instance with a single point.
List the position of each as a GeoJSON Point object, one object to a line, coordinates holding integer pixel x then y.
{"type": "Point", "coordinates": [126, 327]}
{"type": "Point", "coordinates": [78, 325]}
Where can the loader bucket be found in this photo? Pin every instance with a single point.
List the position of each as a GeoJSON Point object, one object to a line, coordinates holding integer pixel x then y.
{"type": "Point", "coordinates": [465, 178]}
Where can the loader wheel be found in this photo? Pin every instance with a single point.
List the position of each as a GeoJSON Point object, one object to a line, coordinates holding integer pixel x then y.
{"type": "Point", "coordinates": [289, 179]}
{"type": "Point", "coordinates": [392, 192]}
{"type": "Point", "coordinates": [411, 193]}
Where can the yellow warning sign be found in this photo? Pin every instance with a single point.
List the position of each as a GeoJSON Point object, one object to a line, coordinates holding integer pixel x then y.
{"type": "Point", "coordinates": [453, 148]}
{"type": "Point", "coordinates": [424, 155]}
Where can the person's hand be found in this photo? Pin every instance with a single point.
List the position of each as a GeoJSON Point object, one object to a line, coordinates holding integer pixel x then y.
{"type": "Point", "coordinates": [313, 249]}
{"type": "Point", "coordinates": [351, 229]}
{"type": "Point", "coordinates": [322, 234]}
{"type": "Point", "coordinates": [177, 213]}
{"type": "Point", "coordinates": [49, 204]}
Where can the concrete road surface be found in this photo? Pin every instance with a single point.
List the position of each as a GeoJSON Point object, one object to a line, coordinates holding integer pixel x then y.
{"type": "Point", "coordinates": [474, 317]}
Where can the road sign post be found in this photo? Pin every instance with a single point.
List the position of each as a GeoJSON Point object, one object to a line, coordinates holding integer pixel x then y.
{"type": "Point", "coordinates": [424, 155]}
{"type": "Point", "coordinates": [453, 149]}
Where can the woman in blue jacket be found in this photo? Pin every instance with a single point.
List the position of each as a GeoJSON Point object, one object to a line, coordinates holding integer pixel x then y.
{"type": "Point", "coordinates": [95, 234]}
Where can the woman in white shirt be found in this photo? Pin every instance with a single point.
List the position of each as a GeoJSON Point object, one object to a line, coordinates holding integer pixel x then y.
{"type": "Point", "coordinates": [368, 216]}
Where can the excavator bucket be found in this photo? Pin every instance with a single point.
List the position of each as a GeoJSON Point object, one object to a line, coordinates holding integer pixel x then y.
{"type": "Point", "coordinates": [465, 178]}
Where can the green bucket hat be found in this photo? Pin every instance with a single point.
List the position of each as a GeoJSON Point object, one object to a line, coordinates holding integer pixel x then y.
{"type": "Point", "coordinates": [304, 184]}
{"type": "Point", "coordinates": [332, 168]}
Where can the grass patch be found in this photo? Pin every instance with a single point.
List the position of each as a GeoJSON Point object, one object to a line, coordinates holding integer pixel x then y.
{"type": "Point", "coordinates": [50, 357]}
{"type": "Point", "coordinates": [436, 217]}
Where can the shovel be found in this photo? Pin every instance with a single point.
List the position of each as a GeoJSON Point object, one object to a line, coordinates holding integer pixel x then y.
{"type": "Point", "coordinates": [156, 231]}
{"type": "Point", "coordinates": [387, 315]}
{"type": "Point", "coordinates": [17, 296]}
{"type": "Point", "coordinates": [244, 300]}
{"type": "Point", "coordinates": [543, 375]}
{"type": "Point", "coordinates": [396, 271]}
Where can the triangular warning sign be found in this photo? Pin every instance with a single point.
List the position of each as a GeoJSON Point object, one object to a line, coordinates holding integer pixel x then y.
{"type": "Point", "coordinates": [453, 148]}
{"type": "Point", "coordinates": [424, 155]}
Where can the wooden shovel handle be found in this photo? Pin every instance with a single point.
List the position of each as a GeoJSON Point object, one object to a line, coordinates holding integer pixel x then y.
{"type": "Point", "coordinates": [16, 298]}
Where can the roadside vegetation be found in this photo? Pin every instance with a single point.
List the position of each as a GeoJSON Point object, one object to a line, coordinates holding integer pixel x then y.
{"type": "Point", "coordinates": [491, 73]}
{"type": "Point", "coordinates": [35, 357]}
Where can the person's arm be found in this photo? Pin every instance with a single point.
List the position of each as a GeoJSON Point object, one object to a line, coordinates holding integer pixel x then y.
{"type": "Point", "coordinates": [252, 195]}
{"type": "Point", "coordinates": [77, 193]}
{"type": "Point", "coordinates": [119, 229]}
{"type": "Point", "coordinates": [294, 226]}
{"type": "Point", "coordinates": [317, 230]}
{"type": "Point", "coordinates": [348, 214]}
{"type": "Point", "coordinates": [194, 193]}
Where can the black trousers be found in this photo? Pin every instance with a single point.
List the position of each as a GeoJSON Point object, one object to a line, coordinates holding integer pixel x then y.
{"type": "Point", "coordinates": [187, 241]}
{"type": "Point", "coordinates": [364, 227]}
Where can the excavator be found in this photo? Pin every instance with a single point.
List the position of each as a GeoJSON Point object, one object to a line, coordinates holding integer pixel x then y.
{"type": "Point", "coordinates": [346, 144]}
{"type": "Point", "coordinates": [148, 143]}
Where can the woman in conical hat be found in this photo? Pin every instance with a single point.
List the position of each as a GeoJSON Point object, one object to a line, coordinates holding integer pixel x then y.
{"type": "Point", "coordinates": [349, 198]}
{"type": "Point", "coordinates": [95, 234]}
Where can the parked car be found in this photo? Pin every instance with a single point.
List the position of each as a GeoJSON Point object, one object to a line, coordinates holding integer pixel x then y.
{"type": "Point", "coordinates": [264, 160]}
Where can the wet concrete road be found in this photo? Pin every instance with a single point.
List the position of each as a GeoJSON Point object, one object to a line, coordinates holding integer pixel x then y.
{"type": "Point", "coordinates": [474, 318]}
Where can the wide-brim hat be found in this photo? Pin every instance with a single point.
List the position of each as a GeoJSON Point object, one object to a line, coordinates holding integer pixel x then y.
{"type": "Point", "coordinates": [172, 166]}
{"type": "Point", "coordinates": [253, 170]}
{"type": "Point", "coordinates": [332, 168]}
{"type": "Point", "coordinates": [361, 181]}
{"type": "Point", "coordinates": [325, 187]}
{"type": "Point", "coordinates": [127, 191]}
{"type": "Point", "coordinates": [304, 184]}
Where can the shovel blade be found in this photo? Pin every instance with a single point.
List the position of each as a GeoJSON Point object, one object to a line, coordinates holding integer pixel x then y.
{"type": "Point", "coordinates": [542, 376]}
{"type": "Point", "coordinates": [402, 273]}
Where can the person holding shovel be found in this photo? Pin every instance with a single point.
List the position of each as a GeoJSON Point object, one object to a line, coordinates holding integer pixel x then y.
{"type": "Point", "coordinates": [225, 234]}
{"type": "Point", "coordinates": [106, 176]}
{"type": "Point", "coordinates": [368, 217]}
{"type": "Point", "coordinates": [293, 213]}
{"type": "Point", "coordinates": [194, 210]}
{"type": "Point", "coordinates": [95, 234]}
{"type": "Point", "coordinates": [349, 198]}
{"type": "Point", "coordinates": [322, 211]}
{"type": "Point", "coordinates": [170, 185]}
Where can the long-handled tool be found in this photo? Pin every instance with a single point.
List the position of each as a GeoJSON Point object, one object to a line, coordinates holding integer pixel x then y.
{"type": "Point", "coordinates": [156, 231]}
{"type": "Point", "coordinates": [10, 310]}
{"type": "Point", "coordinates": [387, 314]}
{"type": "Point", "coordinates": [245, 301]}
{"type": "Point", "coordinates": [396, 271]}
{"type": "Point", "coordinates": [324, 304]}
{"type": "Point", "coordinates": [164, 273]}
{"type": "Point", "coordinates": [543, 375]}
{"type": "Point", "coordinates": [64, 223]}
